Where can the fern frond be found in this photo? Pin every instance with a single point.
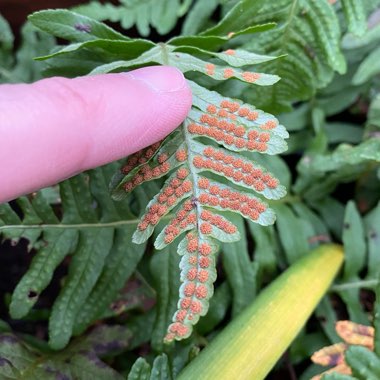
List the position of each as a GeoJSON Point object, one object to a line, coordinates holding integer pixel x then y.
{"type": "Point", "coordinates": [160, 14]}
{"type": "Point", "coordinates": [94, 231]}
{"type": "Point", "coordinates": [80, 360]}
{"type": "Point", "coordinates": [198, 16]}
{"type": "Point", "coordinates": [355, 14]}
{"type": "Point", "coordinates": [197, 198]}
{"type": "Point", "coordinates": [141, 369]}
{"type": "Point", "coordinates": [308, 34]}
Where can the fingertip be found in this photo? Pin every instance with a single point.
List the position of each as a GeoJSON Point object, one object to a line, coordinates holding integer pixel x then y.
{"type": "Point", "coordinates": [174, 101]}
{"type": "Point", "coordinates": [143, 107]}
{"type": "Point", "coordinates": [57, 127]}
{"type": "Point", "coordinates": [161, 79]}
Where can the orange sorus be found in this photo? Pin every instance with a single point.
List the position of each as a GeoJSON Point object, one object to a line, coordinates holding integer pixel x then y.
{"type": "Point", "coordinates": [181, 155]}
{"type": "Point", "coordinates": [210, 69]}
{"type": "Point", "coordinates": [228, 73]}
{"type": "Point", "coordinates": [250, 77]}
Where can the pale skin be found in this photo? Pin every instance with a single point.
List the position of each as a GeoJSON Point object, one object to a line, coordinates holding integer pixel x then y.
{"type": "Point", "coordinates": [57, 127]}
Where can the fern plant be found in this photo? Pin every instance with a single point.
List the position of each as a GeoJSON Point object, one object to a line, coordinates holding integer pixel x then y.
{"type": "Point", "coordinates": [198, 199]}
{"type": "Point", "coordinates": [211, 139]}
{"type": "Point", "coordinates": [308, 39]}
{"type": "Point", "coordinates": [237, 127]}
{"type": "Point", "coordinates": [161, 14]}
{"type": "Point", "coordinates": [80, 360]}
{"type": "Point", "coordinates": [96, 239]}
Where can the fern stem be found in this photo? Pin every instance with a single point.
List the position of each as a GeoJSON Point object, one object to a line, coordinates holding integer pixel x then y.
{"type": "Point", "coordinates": [118, 223]}
{"type": "Point", "coordinates": [191, 167]}
{"type": "Point", "coordinates": [353, 285]}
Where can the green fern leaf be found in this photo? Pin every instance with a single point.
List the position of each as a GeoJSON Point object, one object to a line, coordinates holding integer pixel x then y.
{"type": "Point", "coordinates": [241, 273]}
{"type": "Point", "coordinates": [73, 27]}
{"type": "Point", "coordinates": [160, 368]}
{"type": "Point", "coordinates": [141, 369]}
{"type": "Point", "coordinates": [20, 67]}
{"type": "Point", "coordinates": [238, 18]}
{"type": "Point", "coordinates": [128, 49]}
{"type": "Point", "coordinates": [342, 165]}
{"type": "Point", "coordinates": [197, 200]}
{"type": "Point", "coordinates": [198, 16]}
{"type": "Point", "coordinates": [356, 17]}
{"type": "Point", "coordinates": [372, 224]}
{"type": "Point", "coordinates": [80, 360]}
{"type": "Point", "coordinates": [164, 267]}
{"type": "Point", "coordinates": [368, 68]}
{"type": "Point", "coordinates": [160, 14]}
{"type": "Point", "coordinates": [95, 237]}
{"type": "Point", "coordinates": [308, 33]}
{"type": "Point", "coordinates": [364, 363]}
{"type": "Point", "coordinates": [170, 55]}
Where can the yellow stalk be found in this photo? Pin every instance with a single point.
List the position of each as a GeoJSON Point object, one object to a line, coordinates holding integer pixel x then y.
{"type": "Point", "coordinates": [252, 343]}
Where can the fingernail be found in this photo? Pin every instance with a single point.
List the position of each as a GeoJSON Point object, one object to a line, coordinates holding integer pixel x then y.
{"type": "Point", "coordinates": [160, 78]}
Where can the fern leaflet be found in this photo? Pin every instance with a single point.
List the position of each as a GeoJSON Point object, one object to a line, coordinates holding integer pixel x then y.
{"type": "Point", "coordinates": [160, 14]}
{"type": "Point", "coordinates": [93, 231]}
{"type": "Point", "coordinates": [198, 198]}
{"type": "Point", "coordinates": [308, 36]}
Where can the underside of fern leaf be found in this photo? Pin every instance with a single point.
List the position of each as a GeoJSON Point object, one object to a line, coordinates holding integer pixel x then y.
{"type": "Point", "coordinates": [211, 162]}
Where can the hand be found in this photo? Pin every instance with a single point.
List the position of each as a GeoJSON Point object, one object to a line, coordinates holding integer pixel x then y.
{"type": "Point", "coordinates": [57, 127]}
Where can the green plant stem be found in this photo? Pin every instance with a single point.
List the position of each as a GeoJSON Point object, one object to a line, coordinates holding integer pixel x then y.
{"type": "Point", "coordinates": [69, 226]}
{"type": "Point", "coordinates": [76, 226]}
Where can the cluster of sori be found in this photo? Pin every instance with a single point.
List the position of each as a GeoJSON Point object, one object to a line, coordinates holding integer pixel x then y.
{"type": "Point", "coordinates": [147, 166]}
{"type": "Point", "coordinates": [229, 72]}
{"type": "Point", "coordinates": [171, 194]}
{"type": "Point", "coordinates": [145, 172]}
{"type": "Point", "coordinates": [197, 274]}
{"type": "Point", "coordinates": [218, 196]}
{"type": "Point", "coordinates": [210, 219]}
{"type": "Point", "coordinates": [240, 170]}
{"type": "Point", "coordinates": [184, 219]}
{"type": "Point", "coordinates": [195, 200]}
{"type": "Point", "coordinates": [215, 124]}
